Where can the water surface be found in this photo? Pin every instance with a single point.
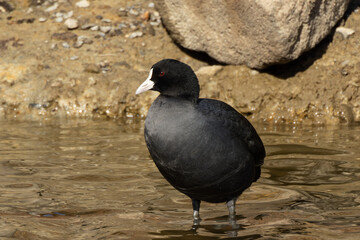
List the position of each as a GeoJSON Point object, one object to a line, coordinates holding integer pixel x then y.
{"type": "Point", "coordinates": [95, 180]}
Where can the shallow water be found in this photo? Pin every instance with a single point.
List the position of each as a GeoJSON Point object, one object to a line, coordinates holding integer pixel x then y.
{"type": "Point", "coordinates": [95, 180]}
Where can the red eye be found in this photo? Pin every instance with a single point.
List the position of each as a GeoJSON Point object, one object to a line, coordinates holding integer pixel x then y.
{"type": "Point", "coordinates": [161, 74]}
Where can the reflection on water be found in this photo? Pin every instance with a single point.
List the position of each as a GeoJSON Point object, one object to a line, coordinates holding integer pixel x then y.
{"type": "Point", "coordinates": [95, 180]}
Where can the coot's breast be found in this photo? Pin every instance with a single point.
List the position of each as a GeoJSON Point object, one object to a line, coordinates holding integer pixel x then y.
{"type": "Point", "coordinates": [197, 154]}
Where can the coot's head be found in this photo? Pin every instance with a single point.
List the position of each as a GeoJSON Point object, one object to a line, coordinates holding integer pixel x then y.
{"type": "Point", "coordinates": [172, 78]}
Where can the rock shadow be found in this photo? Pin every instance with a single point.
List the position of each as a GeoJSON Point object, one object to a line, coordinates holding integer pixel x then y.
{"type": "Point", "coordinates": [290, 69]}
{"type": "Point", "coordinates": [354, 4]}
{"type": "Point", "coordinates": [201, 56]}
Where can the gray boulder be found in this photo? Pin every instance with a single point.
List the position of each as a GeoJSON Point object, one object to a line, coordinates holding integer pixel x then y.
{"type": "Point", "coordinates": [258, 33]}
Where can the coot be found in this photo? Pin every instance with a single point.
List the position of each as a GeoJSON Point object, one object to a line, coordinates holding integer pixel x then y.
{"type": "Point", "coordinates": [203, 147]}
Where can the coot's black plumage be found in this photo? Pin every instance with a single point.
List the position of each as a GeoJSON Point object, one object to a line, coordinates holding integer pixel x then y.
{"type": "Point", "coordinates": [203, 147]}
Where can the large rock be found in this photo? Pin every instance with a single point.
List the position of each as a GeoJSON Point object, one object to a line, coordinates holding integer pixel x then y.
{"type": "Point", "coordinates": [257, 33]}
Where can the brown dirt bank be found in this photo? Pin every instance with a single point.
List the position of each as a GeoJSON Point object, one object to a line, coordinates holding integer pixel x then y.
{"type": "Point", "coordinates": [47, 70]}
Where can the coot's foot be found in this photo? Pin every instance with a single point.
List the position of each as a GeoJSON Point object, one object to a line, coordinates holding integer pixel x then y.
{"type": "Point", "coordinates": [196, 213]}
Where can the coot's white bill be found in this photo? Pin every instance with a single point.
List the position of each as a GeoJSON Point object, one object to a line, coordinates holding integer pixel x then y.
{"type": "Point", "coordinates": [147, 84]}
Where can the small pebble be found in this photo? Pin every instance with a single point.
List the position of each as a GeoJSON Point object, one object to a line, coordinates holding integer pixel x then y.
{"type": "Point", "coordinates": [104, 64]}
{"type": "Point", "coordinates": [95, 28]}
{"type": "Point", "coordinates": [35, 105]}
{"type": "Point", "coordinates": [121, 26]}
{"type": "Point", "coordinates": [53, 46]}
{"type": "Point", "coordinates": [344, 72]}
{"type": "Point", "coordinates": [133, 12]}
{"type": "Point", "coordinates": [134, 34]}
{"type": "Point", "coordinates": [74, 58]}
{"type": "Point", "coordinates": [71, 23]}
{"type": "Point", "coordinates": [122, 12]}
{"type": "Point", "coordinates": [68, 14]}
{"type": "Point", "coordinates": [105, 29]}
{"type": "Point", "coordinates": [145, 16]}
{"type": "Point", "coordinates": [85, 39]}
{"type": "Point", "coordinates": [134, 25]}
{"type": "Point", "coordinates": [345, 32]}
{"type": "Point", "coordinates": [92, 81]}
{"type": "Point", "coordinates": [78, 44]}
{"type": "Point", "coordinates": [209, 70]}
{"type": "Point", "coordinates": [106, 20]}
{"type": "Point", "coordinates": [100, 34]}
{"type": "Point", "coordinates": [81, 40]}
{"type": "Point", "coordinates": [92, 68]}
{"type": "Point", "coordinates": [155, 15]}
{"type": "Point", "coordinates": [155, 19]}
{"type": "Point", "coordinates": [87, 26]}
{"type": "Point", "coordinates": [155, 24]}
{"type": "Point", "coordinates": [151, 5]}
{"type": "Point", "coordinates": [59, 19]}
{"type": "Point", "coordinates": [42, 19]}
{"type": "Point", "coordinates": [59, 14]}
{"type": "Point", "coordinates": [65, 45]}
{"type": "Point", "coordinates": [254, 72]}
{"type": "Point", "coordinates": [83, 4]}
{"type": "Point", "coordinates": [52, 7]}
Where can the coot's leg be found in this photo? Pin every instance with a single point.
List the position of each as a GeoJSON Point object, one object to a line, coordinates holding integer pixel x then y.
{"type": "Point", "coordinates": [232, 214]}
{"type": "Point", "coordinates": [231, 206]}
{"type": "Point", "coordinates": [196, 214]}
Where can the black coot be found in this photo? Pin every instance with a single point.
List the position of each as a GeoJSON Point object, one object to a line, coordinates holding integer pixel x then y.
{"type": "Point", "coordinates": [203, 147]}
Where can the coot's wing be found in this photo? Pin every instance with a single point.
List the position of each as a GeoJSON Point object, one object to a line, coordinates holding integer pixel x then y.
{"type": "Point", "coordinates": [238, 124]}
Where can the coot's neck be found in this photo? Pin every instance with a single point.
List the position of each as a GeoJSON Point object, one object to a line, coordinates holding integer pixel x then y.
{"type": "Point", "coordinates": [192, 99]}
{"type": "Point", "coordinates": [165, 97]}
